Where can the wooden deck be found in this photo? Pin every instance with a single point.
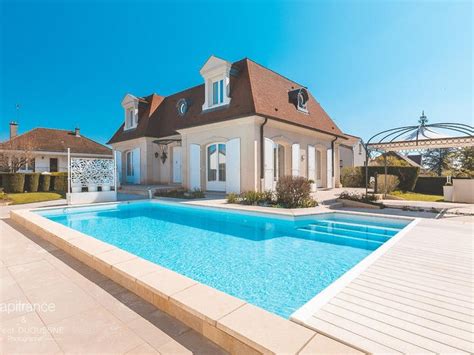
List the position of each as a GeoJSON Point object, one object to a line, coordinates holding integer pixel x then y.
{"type": "Point", "coordinates": [416, 298]}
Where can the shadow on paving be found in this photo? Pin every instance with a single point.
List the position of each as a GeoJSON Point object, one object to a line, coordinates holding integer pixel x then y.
{"type": "Point", "coordinates": [178, 331]}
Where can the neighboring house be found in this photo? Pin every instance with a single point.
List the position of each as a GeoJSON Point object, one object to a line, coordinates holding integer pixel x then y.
{"type": "Point", "coordinates": [395, 158]}
{"type": "Point", "coordinates": [45, 149]}
{"type": "Point", "coordinates": [352, 152]}
{"type": "Point", "coordinates": [241, 129]}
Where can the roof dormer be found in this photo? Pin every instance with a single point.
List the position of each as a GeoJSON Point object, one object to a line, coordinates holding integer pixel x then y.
{"type": "Point", "coordinates": [130, 105]}
{"type": "Point", "coordinates": [216, 75]}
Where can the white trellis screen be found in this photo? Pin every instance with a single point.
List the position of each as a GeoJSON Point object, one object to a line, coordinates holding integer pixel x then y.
{"type": "Point", "coordinates": [92, 171]}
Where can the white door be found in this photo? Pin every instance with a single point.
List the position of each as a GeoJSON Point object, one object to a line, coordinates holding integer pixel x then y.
{"type": "Point", "coordinates": [195, 166]}
{"type": "Point", "coordinates": [312, 165]}
{"type": "Point", "coordinates": [319, 167]}
{"type": "Point", "coordinates": [295, 159]}
{"type": "Point", "coordinates": [329, 169]}
{"type": "Point", "coordinates": [268, 164]}
{"type": "Point", "coordinates": [216, 160]}
{"type": "Point", "coordinates": [233, 166]}
{"type": "Point", "coordinates": [177, 165]}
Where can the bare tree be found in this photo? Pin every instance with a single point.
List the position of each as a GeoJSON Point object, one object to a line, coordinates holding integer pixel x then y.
{"type": "Point", "coordinates": [14, 157]}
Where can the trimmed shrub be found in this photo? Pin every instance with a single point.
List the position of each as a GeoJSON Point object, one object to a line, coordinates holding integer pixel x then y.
{"type": "Point", "coordinates": [58, 182]}
{"type": "Point", "coordinates": [15, 182]}
{"type": "Point", "coordinates": [352, 177]}
{"type": "Point", "coordinates": [3, 179]}
{"type": "Point", "coordinates": [392, 183]}
{"type": "Point", "coordinates": [294, 192]}
{"type": "Point", "coordinates": [233, 198]}
{"type": "Point", "coordinates": [251, 198]}
{"type": "Point", "coordinates": [44, 182]}
{"type": "Point", "coordinates": [32, 182]}
{"type": "Point", "coordinates": [431, 185]}
{"type": "Point", "coordinates": [359, 197]}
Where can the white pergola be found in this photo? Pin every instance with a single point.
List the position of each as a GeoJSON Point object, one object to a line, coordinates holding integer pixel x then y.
{"type": "Point", "coordinates": [417, 138]}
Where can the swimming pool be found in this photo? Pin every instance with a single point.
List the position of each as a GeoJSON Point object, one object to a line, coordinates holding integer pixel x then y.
{"type": "Point", "coordinates": [276, 263]}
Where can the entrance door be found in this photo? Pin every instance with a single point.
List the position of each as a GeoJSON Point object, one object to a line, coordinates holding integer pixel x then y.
{"type": "Point", "coordinates": [53, 165]}
{"type": "Point", "coordinates": [177, 165]}
{"type": "Point", "coordinates": [216, 166]}
{"type": "Point", "coordinates": [133, 166]}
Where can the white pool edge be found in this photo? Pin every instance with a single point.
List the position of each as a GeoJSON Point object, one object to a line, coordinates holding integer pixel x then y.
{"type": "Point", "coordinates": [305, 312]}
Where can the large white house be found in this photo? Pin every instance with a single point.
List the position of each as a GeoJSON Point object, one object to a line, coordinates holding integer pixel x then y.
{"type": "Point", "coordinates": [241, 129]}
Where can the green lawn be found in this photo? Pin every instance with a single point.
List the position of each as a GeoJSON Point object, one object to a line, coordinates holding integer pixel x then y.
{"type": "Point", "coordinates": [29, 197]}
{"type": "Point", "coordinates": [413, 196]}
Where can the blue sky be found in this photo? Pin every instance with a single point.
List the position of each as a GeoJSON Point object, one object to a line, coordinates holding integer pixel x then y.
{"type": "Point", "coordinates": [371, 64]}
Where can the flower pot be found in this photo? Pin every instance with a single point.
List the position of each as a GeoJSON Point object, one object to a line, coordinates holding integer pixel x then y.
{"type": "Point", "coordinates": [448, 193]}
{"type": "Point", "coordinates": [105, 187]}
{"type": "Point", "coordinates": [92, 187]}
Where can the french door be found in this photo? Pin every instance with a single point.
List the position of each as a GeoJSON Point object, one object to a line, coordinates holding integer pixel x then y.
{"type": "Point", "coordinates": [216, 167]}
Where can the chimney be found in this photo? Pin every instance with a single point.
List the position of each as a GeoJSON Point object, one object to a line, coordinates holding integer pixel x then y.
{"type": "Point", "coordinates": [77, 132]}
{"type": "Point", "coordinates": [13, 129]}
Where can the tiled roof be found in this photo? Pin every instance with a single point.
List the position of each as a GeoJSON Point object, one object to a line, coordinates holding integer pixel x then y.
{"type": "Point", "coordinates": [55, 140]}
{"type": "Point", "coordinates": [255, 90]}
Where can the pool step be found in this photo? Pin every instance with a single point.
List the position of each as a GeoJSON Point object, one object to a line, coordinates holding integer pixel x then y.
{"type": "Point", "coordinates": [357, 227]}
{"type": "Point", "coordinates": [340, 239]}
{"type": "Point", "coordinates": [349, 232]}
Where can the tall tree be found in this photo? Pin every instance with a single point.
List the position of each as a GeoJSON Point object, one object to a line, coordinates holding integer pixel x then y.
{"type": "Point", "coordinates": [438, 160]}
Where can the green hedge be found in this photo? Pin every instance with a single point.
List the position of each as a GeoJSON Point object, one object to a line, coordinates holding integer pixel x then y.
{"type": "Point", "coordinates": [3, 179]}
{"type": "Point", "coordinates": [59, 182]}
{"type": "Point", "coordinates": [431, 185]}
{"type": "Point", "coordinates": [13, 182]}
{"type": "Point", "coordinates": [355, 177]}
{"type": "Point", "coordinates": [32, 182]}
{"type": "Point", "coordinates": [44, 182]}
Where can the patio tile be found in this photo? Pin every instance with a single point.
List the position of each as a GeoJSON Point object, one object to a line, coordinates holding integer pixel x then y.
{"type": "Point", "coordinates": [15, 307]}
{"type": "Point", "coordinates": [144, 349]}
{"type": "Point", "coordinates": [36, 274]}
{"type": "Point", "coordinates": [169, 325]}
{"type": "Point", "coordinates": [66, 298]}
{"type": "Point", "coordinates": [191, 343]}
{"type": "Point", "coordinates": [322, 344]}
{"type": "Point", "coordinates": [94, 331]}
{"type": "Point", "coordinates": [264, 330]}
{"type": "Point", "coordinates": [206, 303]}
{"type": "Point", "coordinates": [149, 332]}
{"type": "Point", "coordinates": [166, 282]}
{"type": "Point", "coordinates": [26, 334]}
{"type": "Point", "coordinates": [9, 287]}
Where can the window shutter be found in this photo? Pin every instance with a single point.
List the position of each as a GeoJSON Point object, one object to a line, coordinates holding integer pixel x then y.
{"type": "Point", "coordinates": [295, 159]}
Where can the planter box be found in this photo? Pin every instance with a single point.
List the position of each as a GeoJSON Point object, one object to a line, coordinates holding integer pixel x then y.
{"type": "Point", "coordinates": [448, 193]}
{"type": "Point", "coordinates": [357, 204]}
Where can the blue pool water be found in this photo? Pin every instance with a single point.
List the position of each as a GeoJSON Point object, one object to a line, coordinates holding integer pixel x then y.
{"type": "Point", "coordinates": [275, 263]}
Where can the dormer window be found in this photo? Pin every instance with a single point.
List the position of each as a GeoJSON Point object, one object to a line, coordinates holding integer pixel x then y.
{"type": "Point", "coordinates": [299, 98]}
{"type": "Point", "coordinates": [130, 105]}
{"type": "Point", "coordinates": [218, 92]}
{"type": "Point", "coordinates": [216, 74]}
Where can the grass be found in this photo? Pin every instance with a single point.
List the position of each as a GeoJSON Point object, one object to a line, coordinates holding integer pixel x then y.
{"type": "Point", "coordinates": [29, 197]}
{"type": "Point", "coordinates": [413, 196]}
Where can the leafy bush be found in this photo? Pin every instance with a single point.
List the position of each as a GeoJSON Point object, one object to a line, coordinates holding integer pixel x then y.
{"type": "Point", "coordinates": [233, 198]}
{"type": "Point", "coordinates": [355, 196]}
{"type": "Point", "coordinates": [197, 193]}
{"type": "Point", "coordinates": [32, 182]}
{"type": "Point", "coordinates": [44, 182]}
{"type": "Point", "coordinates": [294, 192]}
{"type": "Point", "coordinates": [14, 182]}
{"type": "Point", "coordinates": [58, 182]}
{"type": "Point", "coordinates": [352, 177]}
{"type": "Point", "coordinates": [392, 183]}
{"type": "Point", "coordinates": [251, 198]}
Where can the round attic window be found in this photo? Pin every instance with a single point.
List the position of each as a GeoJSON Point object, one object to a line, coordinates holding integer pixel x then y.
{"type": "Point", "coordinates": [182, 107]}
{"type": "Point", "coordinates": [302, 99]}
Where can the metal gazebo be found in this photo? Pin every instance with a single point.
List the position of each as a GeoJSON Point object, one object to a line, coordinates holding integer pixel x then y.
{"type": "Point", "coordinates": [420, 137]}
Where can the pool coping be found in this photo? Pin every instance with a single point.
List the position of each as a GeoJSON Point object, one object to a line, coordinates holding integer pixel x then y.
{"type": "Point", "coordinates": [231, 323]}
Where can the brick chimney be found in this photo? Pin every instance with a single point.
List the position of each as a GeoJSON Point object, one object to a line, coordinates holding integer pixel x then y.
{"type": "Point", "coordinates": [77, 132]}
{"type": "Point", "coordinates": [13, 129]}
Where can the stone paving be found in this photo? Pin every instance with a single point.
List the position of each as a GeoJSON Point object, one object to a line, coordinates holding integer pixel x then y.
{"type": "Point", "coordinates": [52, 303]}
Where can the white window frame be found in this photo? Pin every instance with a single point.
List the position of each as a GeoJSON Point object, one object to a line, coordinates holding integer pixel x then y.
{"type": "Point", "coordinates": [131, 118]}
